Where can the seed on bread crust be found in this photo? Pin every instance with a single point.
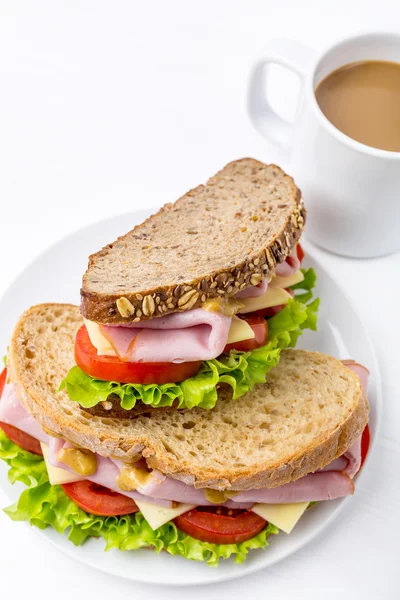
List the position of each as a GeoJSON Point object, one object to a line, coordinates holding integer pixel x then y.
{"type": "Point", "coordinates": [148, 306]}
{"type": "Point", "coordinates": [177, 291]}
{"type": "Point", "coordinates": [297, 217]}
{"type": "Point", "coordinates": [255, 279]}
{"type": "Point", "coordinates": [125, 308]}
{"type": "Point", "coordinates": [188, 299]}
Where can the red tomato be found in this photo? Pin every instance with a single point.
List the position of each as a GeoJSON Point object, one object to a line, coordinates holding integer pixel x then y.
{"type": "Point", "coordinates": [300, 253]}
{"type": "Point", "coordinates": [220, 525]}
{"type": "Point", "coordinates": [3, 377]}
{"type": "Point", "coordinates": [260, 328]}
{"type": "Point", "coordinates": [23, 440]}
{"type": "Point", "coordinates": [365, 440]}
{"type": "Point", "coordinates": [99, 500]}
{"type": "Point", "coordinates": [111, 368]}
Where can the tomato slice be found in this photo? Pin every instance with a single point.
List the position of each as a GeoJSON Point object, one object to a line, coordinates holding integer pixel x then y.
{"type": "Point", "coordinates": [365, 441]}
{"type": "Point", "coordinates": [300, 253]}
{"type": "Point", "coordinates": [111, 368]}
{"type": "Point", "coordinates": [260, 328]}
{"type": "Point", "coordinates": [99, 500]}
{"type": "Point", "coordinates": [220, 525]}
{"type": "Point", "coordinates": [22, 439]}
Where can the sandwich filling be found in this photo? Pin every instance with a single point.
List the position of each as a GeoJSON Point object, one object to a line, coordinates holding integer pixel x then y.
{"type": "Point", "coordinates": [132, 506]}
{"type": "Point", "coordinates": [182, 358]}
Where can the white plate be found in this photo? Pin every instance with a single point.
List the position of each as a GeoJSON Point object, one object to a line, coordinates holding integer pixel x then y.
{"type": "Point", "coordinates": [56, 276]}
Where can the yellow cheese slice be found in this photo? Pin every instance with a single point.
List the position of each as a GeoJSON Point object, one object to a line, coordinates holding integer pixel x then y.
{"type": "Point", "coordinates": [57, 476]}
{"type": "Point", "coordinates": [98, 340]}
{"type": "Point", "coordinates": [156, 515]}
{"type": "Point", "coordinates": [272, 297]}
{"type": "Point", "coordinates": [285, 282]}
{"type": "Point", "coordinates": [283, 516]}
{"type": "Point", "coordinates": [240, 330]}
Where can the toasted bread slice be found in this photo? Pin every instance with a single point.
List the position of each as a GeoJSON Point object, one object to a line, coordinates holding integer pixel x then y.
{"type": "Point", "coordinates": [309, 411]}
{"type": "Point", "coordinates": [216, 240]}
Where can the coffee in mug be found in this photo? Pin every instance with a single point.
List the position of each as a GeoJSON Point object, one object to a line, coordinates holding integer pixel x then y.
{"type": "Point", "coordinates": [362, 99]}
{"type": "Point", "coordinates": [344, 141]}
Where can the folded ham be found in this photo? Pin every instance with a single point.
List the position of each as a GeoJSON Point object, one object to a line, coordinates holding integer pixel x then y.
{"type": "Point", "coordinates": [285, 269]}
{"type": "Point", "coordinates": [361, 371]}
{"type": "Point", "coordinates": [12, 413]}
{"type": "Point", "coordinates": [289, 266]}
{"type": "Point", "coordinates": [254, 291]}
{"type": "Point", "coordinates": [327, 484]}
{"type": "Point", "coordinates": [314, 487]}
{"type": "Point", "coordinates": [179, 337]}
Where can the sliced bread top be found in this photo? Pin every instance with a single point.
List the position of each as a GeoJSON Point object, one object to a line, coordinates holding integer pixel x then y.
{"type": "Point", "coordinates": [214, 241]}
{"type": "Point", "coordinates": [310, 410]}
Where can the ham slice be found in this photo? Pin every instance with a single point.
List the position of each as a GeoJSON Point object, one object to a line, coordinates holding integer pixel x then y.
{"type": "Point", "coordinates": [332, 482]}
{"type": "Point", "coordinates": [254, 291]}
{"type": "Point", "coordinates": [361, 371]}
{"type": "Point", "coordinates": [313, 487]}
{"type": "Point", "coordinates": [12, 413]}
{"type": "Point", "coordinates": [353, 454]}
{"type": "Point", "coordinates": [353, 457]}
{"type": "Point", "coordinates": [348, 463]}
{"type": "Point", "coordinates": [179, 337]}
{"type": "Point", "coordinates": [160, 486]}
{"type": "Point", "coordinates": [289, 266]}
{"type": "Point", "coordinates": [339, 464]}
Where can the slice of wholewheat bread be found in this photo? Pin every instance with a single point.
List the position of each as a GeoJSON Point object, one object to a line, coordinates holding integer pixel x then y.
{"type": "Point", "coordinates": [216, 240]}
{"type": "Point", "coordinates": [310, 410]}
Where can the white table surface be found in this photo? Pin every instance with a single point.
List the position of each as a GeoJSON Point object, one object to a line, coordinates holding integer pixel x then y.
{"type": "Point", "coordinates": [107, 107]}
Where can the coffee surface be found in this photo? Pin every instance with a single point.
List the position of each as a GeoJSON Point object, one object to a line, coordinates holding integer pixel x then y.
{"type": "Point", "coordinates": [362, 100]}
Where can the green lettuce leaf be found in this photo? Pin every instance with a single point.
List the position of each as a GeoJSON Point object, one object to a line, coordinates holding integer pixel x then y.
{"type": "Point", "coordinates": [240, 370]}
{"type": "Point", "coordinates": [307, 285]}
{"type": "Point", "coordinates": [43, 505]}
{"type": "Point", "coordinates": [289, 323]}
{"type": "Point", "coordinates": [24, 466]}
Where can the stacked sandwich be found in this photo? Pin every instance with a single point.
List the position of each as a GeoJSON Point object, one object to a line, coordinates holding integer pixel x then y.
{"type": "Point", "coordinates": [170, 410]}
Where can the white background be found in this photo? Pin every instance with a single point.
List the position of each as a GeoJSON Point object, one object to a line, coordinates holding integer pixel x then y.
{"type": "Point", "coordinates": [107, 107]}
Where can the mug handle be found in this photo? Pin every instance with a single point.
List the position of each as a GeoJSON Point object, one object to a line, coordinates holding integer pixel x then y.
{"type": "Point", "coordinates": [293, 56]}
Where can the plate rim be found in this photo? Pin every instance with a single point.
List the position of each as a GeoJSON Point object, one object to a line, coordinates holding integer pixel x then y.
{"type": "Point", "coordinates": [69, 550]}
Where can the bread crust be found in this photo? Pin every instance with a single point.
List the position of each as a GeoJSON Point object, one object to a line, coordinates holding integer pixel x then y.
{"type": "Point", "coordinates": [188, 293]}
{"type": "Point", "coordinates": [36, 390]}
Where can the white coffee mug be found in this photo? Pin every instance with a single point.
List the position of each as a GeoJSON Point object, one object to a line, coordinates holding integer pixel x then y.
{"type": "Point", "coordinates": [351, 191]}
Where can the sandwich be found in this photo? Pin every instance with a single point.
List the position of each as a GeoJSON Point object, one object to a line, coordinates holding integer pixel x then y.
{"type": "Point", "coordinates": [205, 293]}
{"type": "Point", "coordinates": [202, 484]}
